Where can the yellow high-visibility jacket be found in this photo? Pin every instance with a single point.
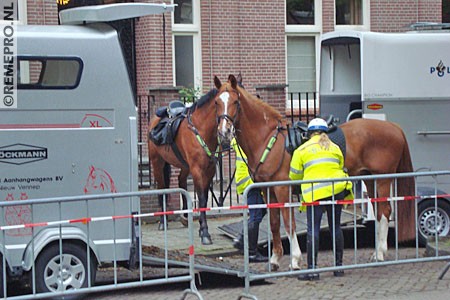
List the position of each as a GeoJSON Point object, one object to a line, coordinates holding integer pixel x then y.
{"type": "Point", "coordinates": [310, 161]}
{"type": "Point", "coordinates": [242, 175]}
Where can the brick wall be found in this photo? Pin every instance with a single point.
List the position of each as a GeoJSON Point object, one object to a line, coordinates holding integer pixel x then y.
{"type": "Point", "coordinates": [246, 37]}
{"type": "Point", "coordinates": [153, 52]}
{"type": "Point", "coordinates": [41, 12]}
{"type": "Point", "coordinates": [328, 15]}
{"type": "Point", "coordinates": [396, 16]}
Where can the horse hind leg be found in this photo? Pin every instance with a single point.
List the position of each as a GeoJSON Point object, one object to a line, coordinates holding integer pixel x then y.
{"type": "Point", "coordinates": [383, 211]}
{"type": "Point", "coordinates": [166, 180]}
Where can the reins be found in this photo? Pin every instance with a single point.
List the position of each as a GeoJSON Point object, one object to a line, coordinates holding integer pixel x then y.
{"type": "Point", "coordinates": [266, 152]}
{"type": "Point", "coordinates": [212, 155]}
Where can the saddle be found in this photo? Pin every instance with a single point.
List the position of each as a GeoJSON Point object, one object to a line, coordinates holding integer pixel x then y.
{"type": "Point", "coordinates": [171, 116]}
{"type": "Point", "coordinates": [297, 135]}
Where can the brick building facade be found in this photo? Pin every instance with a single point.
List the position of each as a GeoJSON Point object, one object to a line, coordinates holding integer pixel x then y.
{"type": "Point", "coordinates": [271, 45]}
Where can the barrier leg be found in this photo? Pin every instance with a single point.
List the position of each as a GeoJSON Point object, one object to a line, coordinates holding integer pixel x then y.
{"type": "Point", "coordinates": [444, 271]}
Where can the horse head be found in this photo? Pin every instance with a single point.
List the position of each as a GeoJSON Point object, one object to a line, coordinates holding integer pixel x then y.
{"type": "Point", "coordinates": [227, 107]}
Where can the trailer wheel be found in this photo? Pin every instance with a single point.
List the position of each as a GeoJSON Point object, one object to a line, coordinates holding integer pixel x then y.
{"type": "Point", "coordinates": [431, 223]}
{"type": "Point", "coordinates": [69, 271]}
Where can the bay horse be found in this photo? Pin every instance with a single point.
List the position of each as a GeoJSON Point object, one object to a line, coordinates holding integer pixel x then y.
{"type": "Point", "coordinates": [372, 147]}
{"type": "Point", "coordinates": [196, 141]}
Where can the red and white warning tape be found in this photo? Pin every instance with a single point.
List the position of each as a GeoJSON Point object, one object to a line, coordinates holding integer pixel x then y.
{"type": "Point", "coordinates": [235, 207]}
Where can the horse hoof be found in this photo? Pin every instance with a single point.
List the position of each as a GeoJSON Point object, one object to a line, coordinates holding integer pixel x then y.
{"type": "Point", "coordinates": [274, 267]}
{"type": "Point", "coordinates": [184, 221]}
{"type": "Point", "coordinates": [206, 240]}
{"type": "Point", "coordinates": [375, 258]}
{"type": "Point", "coordinates": [161, 226]}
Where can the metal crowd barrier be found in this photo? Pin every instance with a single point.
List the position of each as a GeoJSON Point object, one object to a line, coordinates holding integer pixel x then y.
{"type": "Point", "coordinates": [87, 223]}
{"type": "Point", "coordinates": [432, 178]}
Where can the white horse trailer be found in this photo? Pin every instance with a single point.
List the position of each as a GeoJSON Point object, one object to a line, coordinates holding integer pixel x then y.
{"type": "Point", "coordinates": [403, 78]}
{"type": "Point", "coordinates": [72, 132]}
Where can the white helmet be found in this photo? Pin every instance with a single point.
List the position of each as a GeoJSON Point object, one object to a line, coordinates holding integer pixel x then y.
{"type": "Point", "coordinates": [318, 124]}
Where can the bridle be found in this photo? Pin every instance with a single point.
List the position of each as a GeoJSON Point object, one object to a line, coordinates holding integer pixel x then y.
{"type": "Point", "coordinates": [230, 120]}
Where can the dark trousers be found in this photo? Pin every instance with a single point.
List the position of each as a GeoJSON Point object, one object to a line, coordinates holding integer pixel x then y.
{"type": "Point", "coordinates": [314, 215]}
{"type": "Point", "coordinates": [257, 214]}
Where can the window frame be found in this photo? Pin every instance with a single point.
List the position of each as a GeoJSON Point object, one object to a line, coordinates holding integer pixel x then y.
{"type": "Point", "coordinates": [38, 85]}
{"type": "Point", "coordinates": [365, 26]}
{"type": "Point", "coordinates": [194, 31]}
{"type": "Point", "coordinates": [305, 28]}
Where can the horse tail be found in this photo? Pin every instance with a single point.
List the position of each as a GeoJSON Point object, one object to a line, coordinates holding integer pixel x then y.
{"type": "Point", "coordinates": [406, 187]}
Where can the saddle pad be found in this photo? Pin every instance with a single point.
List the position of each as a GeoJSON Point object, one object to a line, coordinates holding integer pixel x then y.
{"type": "Point", "coordinates": [337, 136]}
{"type": "Point", "coordinates": [165, 131]}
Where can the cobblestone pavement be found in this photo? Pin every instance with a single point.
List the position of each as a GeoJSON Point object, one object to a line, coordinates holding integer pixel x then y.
{"type": "Point", "coordinates": [404, 281]}
{"type": "Point", "coordinates": [412, 281]}
{"type": "Point", "coordinates": [408, 281]}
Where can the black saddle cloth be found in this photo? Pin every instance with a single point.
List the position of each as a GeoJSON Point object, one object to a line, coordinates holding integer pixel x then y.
{"type": "Point", "coordinates": [297, 136]}
{"type": "Point", "coordinates": [165, 131]}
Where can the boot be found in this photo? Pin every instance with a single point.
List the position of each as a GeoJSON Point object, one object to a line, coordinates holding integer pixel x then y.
{"type": "Point", "coordinates": [162, 221]}
{"type": "Point", "coordinates": [311, 276]}
{"type": "Point", "coordinates": [253, 253]}
{"type": "Point", "coordinates": [238, 242]}
{"type": "Point", "coordinates": [339, 252]}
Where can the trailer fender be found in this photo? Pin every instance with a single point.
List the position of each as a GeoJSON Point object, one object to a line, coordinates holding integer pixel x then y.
{"type": "Point", "coordinates": [49, 235]}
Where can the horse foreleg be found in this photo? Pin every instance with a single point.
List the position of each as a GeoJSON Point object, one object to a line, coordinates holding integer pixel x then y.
{"type": "Point", "coordinates": [289, 225]}
{"type": "Point", "coordinates": [203, 231]}
{"type": "Point", "coordinates": [277, 250]}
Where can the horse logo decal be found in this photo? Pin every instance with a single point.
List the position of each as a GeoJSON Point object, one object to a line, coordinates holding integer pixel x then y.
{"type": "Point", "coordinates": [99, 181]}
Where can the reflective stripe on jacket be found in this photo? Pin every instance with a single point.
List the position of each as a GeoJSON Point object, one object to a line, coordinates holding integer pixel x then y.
{"type": "Point", "coordinates": [310, 161]}
{"type": "Point", "coordinates": [242, 176]}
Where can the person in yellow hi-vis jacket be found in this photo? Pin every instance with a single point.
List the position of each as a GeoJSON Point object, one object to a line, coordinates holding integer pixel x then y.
{"type": "Point", "coordinates": [320, 158]}
{"type": "Point", "coordinates": [243, 179]}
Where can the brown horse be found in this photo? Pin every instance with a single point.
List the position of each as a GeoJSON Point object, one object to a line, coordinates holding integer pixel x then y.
{"type": "Point", "coordinates": [372, 147]}
{"type": "Point", "coordinates": [194, 156]}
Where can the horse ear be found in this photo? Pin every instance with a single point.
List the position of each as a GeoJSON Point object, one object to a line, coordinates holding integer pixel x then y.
{"type": "Point", "coordinates": [233, 81]}
{"type": "Point", "coordinates": [217, 82]}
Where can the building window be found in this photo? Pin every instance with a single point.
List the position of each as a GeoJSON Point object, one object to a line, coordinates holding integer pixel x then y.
{"type": "Point", "coordinates": [300, 12]}
{"type": "Point", "coordinates": [183, 12]}
{"type": "Point", "coordinates": [301, 67]}
{"type": "Point", "coordinates": [446, 11]}
{"type": "Point", "coordinates": [184, 61]}
{"type": "Point", "coordinates": [186, 43]}
{"type": "Point", "coordinates": [349, 12]}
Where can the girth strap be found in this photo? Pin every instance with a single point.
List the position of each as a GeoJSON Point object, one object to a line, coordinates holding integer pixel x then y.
{"type": "Point", "coordinates": [177, 153]}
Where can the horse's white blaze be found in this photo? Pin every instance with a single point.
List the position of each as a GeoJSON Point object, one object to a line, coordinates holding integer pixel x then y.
{"type": "Point", "coordinates": [225, 96]}
{"type": "Point", "coordinates": [383, 228]}
{"type": "Point", "coordinates": [296, 253]}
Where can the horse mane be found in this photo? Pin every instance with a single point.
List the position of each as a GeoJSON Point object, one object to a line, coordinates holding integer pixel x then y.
{"type": "Point", "coordinates": [204, 99]}
{"type": "Point", "coordinates": [260, 103]}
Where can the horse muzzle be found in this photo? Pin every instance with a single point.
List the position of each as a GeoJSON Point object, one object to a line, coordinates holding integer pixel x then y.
{"type": "Point", "coordinates": [225, 129]}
